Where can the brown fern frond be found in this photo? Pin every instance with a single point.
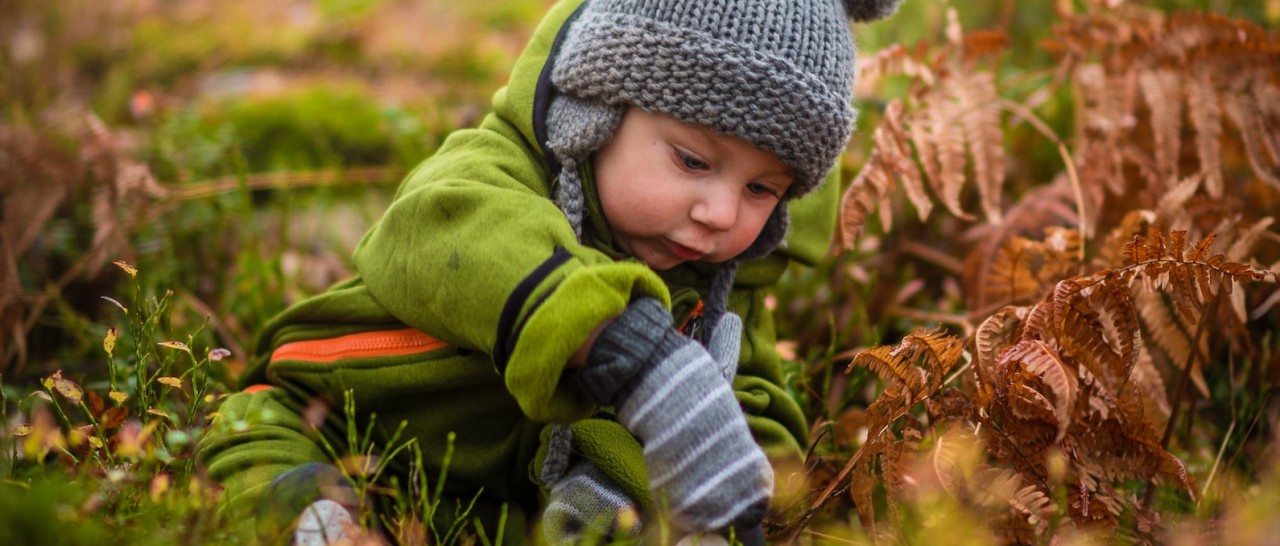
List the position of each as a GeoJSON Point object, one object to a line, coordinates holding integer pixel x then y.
{"type": "Point", "coordinates": [1171, 210]}
{"type": "Point", "coordinates": [896, 60]}
{"type": "Point", "coordinates": [1079, 332]}
{"type": "Point", "coordinates": [1244, 242]}
{"type": "Point", "coordinates": [894, 364]}
{"type": "Point", "coordinates": [1168, 334]}
{"type": "Point", "coordinates": [1149, 384]}
{"type": "Point", "coordinates": [1037, 211]}
{"type": "Point", "coordinates": [1248, 118]}
{"type": "Point", "coordinates": [1041, 361]}
{"type": "Point", "coordinates": [940, 115]}
{"type": "Point", "coordinates": [1111, 252]}
{"type": "Point", "coordinates": [872, 185]}
{"type": "Point", "coordinates": [897, 155]}
{"type": "Point", "coordinates": [975, 93]}
{"type": "Point", "coordinates": [1162, 90]}
{"type": "Point", "coordinates": [995, 334]}
{"type": "Point", "coordinates": [1112, 300]}
{"type": "Point", "coordinates": [1011, 279]}
{"type": "Point", "coordinates": [1206, 117]}
{"type": "Point", "coordinates": [920, 362]}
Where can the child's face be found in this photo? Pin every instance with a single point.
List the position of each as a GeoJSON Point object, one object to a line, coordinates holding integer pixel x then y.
{"type": "Point", "coordinates": [675, 193]}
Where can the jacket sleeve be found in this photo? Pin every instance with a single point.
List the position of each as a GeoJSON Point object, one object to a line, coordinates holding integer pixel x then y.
{"type": "Point", "coordinates": [473, 252]}
{"type": "Point", "coordinates": [256, 437]}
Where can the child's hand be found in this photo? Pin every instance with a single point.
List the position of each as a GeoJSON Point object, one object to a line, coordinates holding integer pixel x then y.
{"type": "Point", "coordinates": [586, 503]}
{"type": "Point", "coordinates": [704, 467]}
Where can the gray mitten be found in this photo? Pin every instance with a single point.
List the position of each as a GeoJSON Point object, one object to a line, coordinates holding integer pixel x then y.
{"type": "Point", "coordinates": [586, 503]}
{"type": "Point", "coordinates": [672, 395]}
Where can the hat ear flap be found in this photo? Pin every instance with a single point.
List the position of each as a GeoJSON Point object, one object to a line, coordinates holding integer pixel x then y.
{"type": "Point", "coordinates": [863, 11]}
{"type": "Point", "coordinates": [771, 235]}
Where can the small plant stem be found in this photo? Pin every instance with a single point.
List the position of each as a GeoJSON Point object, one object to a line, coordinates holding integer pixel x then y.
{"type": "Point", "coordinates": [1216, 461]}
{"type": "Point", "coordinates": [1076, 187]}
{"type": "Point", "coordinates": [57, 407]}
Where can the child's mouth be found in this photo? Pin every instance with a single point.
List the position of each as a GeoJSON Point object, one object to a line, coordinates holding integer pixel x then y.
{"type": "Point", "coordinates": [681, 251]}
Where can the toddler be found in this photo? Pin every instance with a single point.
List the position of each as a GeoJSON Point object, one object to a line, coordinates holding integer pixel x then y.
{"type": "Point", "coordinates": [575, 289]}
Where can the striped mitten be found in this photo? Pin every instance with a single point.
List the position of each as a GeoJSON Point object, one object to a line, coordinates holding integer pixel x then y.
{"type": "Point", "coordinates": [672, 395]}
{"type": "Point", "coordinates": [586, 503]}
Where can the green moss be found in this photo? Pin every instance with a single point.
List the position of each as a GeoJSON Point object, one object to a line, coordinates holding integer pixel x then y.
{"type": "Point", "coordinates": [319, 127]}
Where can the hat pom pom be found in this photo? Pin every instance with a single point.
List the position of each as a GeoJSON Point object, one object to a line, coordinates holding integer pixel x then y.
{"type": "Point", "coordinates": [869, 10]}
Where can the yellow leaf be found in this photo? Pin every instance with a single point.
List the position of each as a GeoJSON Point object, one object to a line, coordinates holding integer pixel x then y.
{"type": "Point", "coordinates": [109, 342]}
{"type": "Point", "coordinates": [118, 396]}
{"type": "Point", "coordinates": [67, 388]}
{"type": "Point", "coordinates": [175, 345]}
{"type": "Point", "coordinates": [48, 381]}
{"type": "Point", "coordinates": [132, 271]}
{"type": "Point", "coordinates": [95, 442]}
{"type": "Point", "coordinates": [171, 381]}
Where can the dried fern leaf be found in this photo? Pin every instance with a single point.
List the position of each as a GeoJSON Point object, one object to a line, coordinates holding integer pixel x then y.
{"type": "Point", "coordinates": [872, 184]}
{"type": "Point", "coordinates": [1167, 334]}
{"type": "Point", "coordinates": [891, 61]}
{"type": "Point", "coordinates": [980, 120]}
{"type": "Point", "coordinates": [1112, 299]}
{"type": "Point", "coordinates": [1162, 90]}
{"type": "Point", "coordinates": [1247, 118]}
{"type": "Point", "coordinates": [995, 334]}
{"type": "Point", "coordinates": [1081, 336]}
{"type": "Point", "coordinates": [1148, 382]}
{"type": "Point", "coordinates": [893, 364]}
{"type": "Point", "coordinates": [942, 114]}
{"type": "Point", "coordinates": [897, 156]}
{"type": "Point", "coordinates": [862, 196]}
{"type": "Point", "coordinates": [1206, 117]}
{"type": "Point", "coordinates": [1010, 279]}
{"type": "Point", "coordinates": [1040, 360]}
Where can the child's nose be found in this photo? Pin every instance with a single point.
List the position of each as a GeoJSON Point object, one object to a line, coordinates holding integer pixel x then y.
{"type": "Point", "coordinates": [718, 207]}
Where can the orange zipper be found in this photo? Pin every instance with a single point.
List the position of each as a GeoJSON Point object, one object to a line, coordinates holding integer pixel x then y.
{"type": "Point", "coordinates": [365, 344]}
{"type": "Point", "coordinates": [697, 312]}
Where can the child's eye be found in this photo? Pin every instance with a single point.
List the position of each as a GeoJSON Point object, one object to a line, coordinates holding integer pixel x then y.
{"type": "Point", "coordinates": [690, 162]}
{"type": "Point", "coordinates": [757, 188]}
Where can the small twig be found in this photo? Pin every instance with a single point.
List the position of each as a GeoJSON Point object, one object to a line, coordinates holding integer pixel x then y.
{"type": "Point", "coordinates": [933, 256]}
{"type": "Point", "coordinates": [1183, 383]}
{"type": "Point", "coordinates": [957, 373]}
{"type": "Point", "coordinates": [1076, 187]}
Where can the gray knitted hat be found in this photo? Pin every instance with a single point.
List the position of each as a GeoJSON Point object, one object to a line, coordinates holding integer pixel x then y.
{"type": "Point", "coordinates": [776, 73]}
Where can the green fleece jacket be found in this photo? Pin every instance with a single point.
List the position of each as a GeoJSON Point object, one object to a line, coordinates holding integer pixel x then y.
{"type": "Point", "coordinates": [477, 263]}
